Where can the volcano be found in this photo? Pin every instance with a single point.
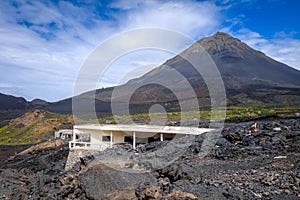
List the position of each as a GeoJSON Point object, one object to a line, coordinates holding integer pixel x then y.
{"type": "Point", "coordinates": [250, 78]}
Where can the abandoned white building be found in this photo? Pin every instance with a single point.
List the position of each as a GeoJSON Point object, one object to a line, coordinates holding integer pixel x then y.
{"type": "Point", "coordinates": [65, 134]}
{"type": "Point", "coordinates": [102, 136]}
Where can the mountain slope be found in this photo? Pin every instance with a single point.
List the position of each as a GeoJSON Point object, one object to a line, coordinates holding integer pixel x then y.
{"type": "Point", "coordinates": [9, 102]}
{"type": "Point", "coordinates": [236, 59]}
{"type": "Point", "coordinates": [11, 107]}
{"type": "Point", "coordinates": [250, 77]}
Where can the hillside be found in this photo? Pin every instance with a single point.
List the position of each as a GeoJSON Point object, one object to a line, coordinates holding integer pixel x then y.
{"type": "Point", "coordinates": [33, 127]}
{"type": "Point", "coordinates": [11, 107]}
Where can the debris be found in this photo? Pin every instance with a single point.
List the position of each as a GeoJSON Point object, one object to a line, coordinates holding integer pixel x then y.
{"type": "Point", "coordinates": [277, 129]}
{"type": "Point", "coordinates": [280, 157]}
{"type": "Point", "coordinates": [254, 127]}
{"type": "Point", "coordinates": [180, 195]}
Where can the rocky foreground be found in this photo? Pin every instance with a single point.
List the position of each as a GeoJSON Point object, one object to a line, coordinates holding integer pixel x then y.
{"type": "Point", "coordinates": [244, 164]}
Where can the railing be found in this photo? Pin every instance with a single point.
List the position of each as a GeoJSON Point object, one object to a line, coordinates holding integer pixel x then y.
{"type": "Point", "coordinates": [86, 145]}
{"type": "Point", "coordinates": [73, 144]}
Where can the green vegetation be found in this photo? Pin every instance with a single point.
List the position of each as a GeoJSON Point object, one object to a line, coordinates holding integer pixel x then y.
{"type": "Point", "coordinates": [232, 112]}
{"type": "Point", "coordinates": [260, 111]}
{"type": "Point", "coordinates": [33, 127]}
{"type": "Point", "coordinates": [36, 126]}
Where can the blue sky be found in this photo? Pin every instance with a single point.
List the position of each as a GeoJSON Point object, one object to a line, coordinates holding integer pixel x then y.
{"type": "Point", "coordinates": [44, 43]}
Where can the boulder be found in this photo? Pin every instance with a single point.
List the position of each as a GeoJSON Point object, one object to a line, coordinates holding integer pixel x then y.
{"type": "Point", "coordinates": [99, 181]}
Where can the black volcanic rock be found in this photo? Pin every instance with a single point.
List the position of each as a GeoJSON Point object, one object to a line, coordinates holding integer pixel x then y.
{"type": "Point", "coordinates": [265, 170]}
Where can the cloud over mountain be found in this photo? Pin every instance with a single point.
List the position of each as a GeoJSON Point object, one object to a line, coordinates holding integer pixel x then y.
{"type": "Point", "coordinates": [44, 43]}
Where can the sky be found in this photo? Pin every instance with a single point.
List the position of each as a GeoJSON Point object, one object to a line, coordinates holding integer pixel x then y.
{"type": "Point", "coordinates": [45, 43]}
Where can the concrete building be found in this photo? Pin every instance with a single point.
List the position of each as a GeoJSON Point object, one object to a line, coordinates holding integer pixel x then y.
{"type": "Point", "coordinates": [65, 134]}
{"type": "Point", "coordinates": [102, 136]}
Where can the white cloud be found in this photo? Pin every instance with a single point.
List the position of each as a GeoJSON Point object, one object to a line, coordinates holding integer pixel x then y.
{"type": "Point", "coordinates": [32, 62]}
{"type": "Point", "coordinates": [282, 47]}
{"type": "Point", "coordinates": [43, 44]}
{"type": "Point", "coordinates": [193, 18]}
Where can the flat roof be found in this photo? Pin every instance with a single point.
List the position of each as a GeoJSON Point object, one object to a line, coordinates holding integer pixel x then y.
{"type": "Point", "coordinates": [145, 128]}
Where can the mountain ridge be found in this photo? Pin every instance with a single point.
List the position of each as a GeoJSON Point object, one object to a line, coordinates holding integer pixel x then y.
{"type": "Point", "coordinates": [227, 52]}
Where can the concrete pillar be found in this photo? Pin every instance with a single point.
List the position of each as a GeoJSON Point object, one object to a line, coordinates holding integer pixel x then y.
{"type": "Point", "coordinates": [111, 138]}
{"type": "Point", "coordinates": [161, 137]}
{"type": "Point", "coordinates": [133, 142]}
{"type": "Point", "coordinates": [74, 134]}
